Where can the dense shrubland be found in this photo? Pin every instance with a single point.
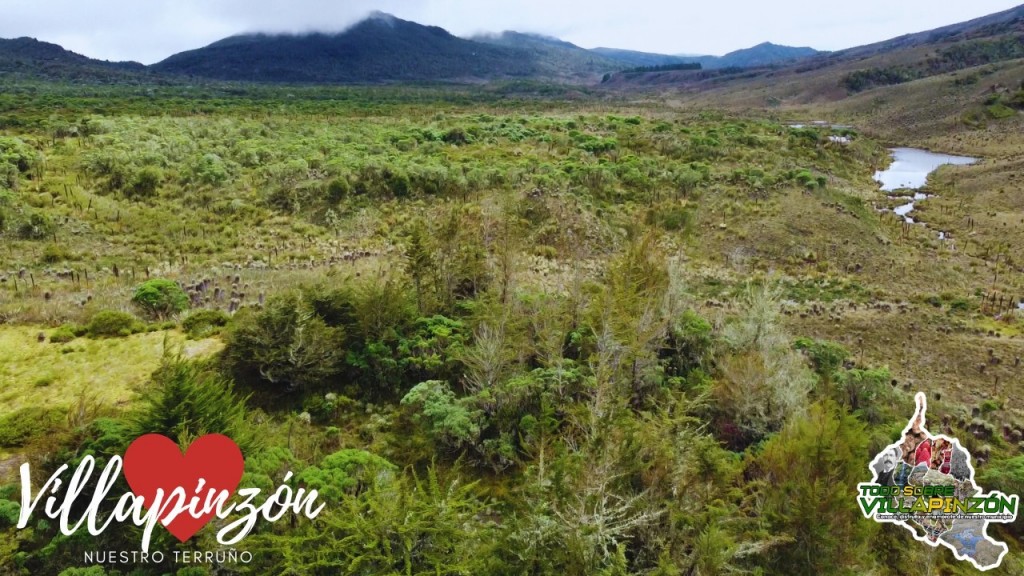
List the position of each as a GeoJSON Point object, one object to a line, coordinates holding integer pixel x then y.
{"type": "Point", "coordinates": [491, 334]}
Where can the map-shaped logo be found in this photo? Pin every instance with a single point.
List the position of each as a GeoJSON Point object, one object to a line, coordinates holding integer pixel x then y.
{"type": "Point", "coordinates": [925, 484]}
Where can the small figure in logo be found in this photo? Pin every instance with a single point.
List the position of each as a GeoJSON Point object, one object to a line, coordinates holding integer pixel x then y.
{"type": "Point", "coordinates": [935, 527]}
{"type": "Point", "coordinates": [942, 460]}
{"type": "Point", "coordinates": [916, 445]}
{"type": "Point", "coordinates": [886, 466]}
{"type": "Point", "coordinates": [923, 454]}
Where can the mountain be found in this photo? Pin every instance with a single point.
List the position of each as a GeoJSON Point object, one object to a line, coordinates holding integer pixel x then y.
{"type": "Point", "coordinates": [28, 58]}
{"type": "Point", "coordinates": [379, 48]}
{"type": "Point", "coordinates": [764, 54]}
{"type": "Point", "coordinates": [833, 76]}
{"type": "Point", "coordinates": [1003, 22]}
{"type": "Point", "coordinates": [383, 48]}
{"type": "Point", "coordinates": [634, 59]}
{"type": "Point", "coordinates": [553, 57]}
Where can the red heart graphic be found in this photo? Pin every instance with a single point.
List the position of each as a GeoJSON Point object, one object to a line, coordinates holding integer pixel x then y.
{"type": "Point", "coordinates": [155, 462]}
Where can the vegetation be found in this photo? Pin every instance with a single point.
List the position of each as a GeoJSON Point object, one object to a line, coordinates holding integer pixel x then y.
{"type": "Point", "coordinates": [666, 67]}
{"type": "Point", "coordinates": [499, 331]}
{"type": "Point", "coordinates": [958, 56]}
{"type": "Point", "coordinates": [160, 298]}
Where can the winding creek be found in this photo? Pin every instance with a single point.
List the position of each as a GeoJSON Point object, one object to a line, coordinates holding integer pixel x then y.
{"type": "Point", "coordinates": [909, 171]}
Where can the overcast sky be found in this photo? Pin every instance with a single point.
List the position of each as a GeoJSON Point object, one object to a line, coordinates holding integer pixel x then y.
{"type": "Point", "coordinates": [151, 30]}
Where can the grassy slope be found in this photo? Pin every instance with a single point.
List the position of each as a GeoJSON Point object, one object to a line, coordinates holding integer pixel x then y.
{"type": "Point", "coordinates": [937, 350]}
{"type": "Point", "coordinates": [830, 246]}
{"type": "Point", "coordinates": [48, 374]}
{"type": "Point", "coordinates": [852, 274]}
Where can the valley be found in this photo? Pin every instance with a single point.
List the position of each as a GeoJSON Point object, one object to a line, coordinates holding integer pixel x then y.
{"type": "Point", "coordinates": [656, 324]}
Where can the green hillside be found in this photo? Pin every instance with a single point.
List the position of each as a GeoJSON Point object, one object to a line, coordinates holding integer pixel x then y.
{"type": "Point", "coordinates": [659, 325]}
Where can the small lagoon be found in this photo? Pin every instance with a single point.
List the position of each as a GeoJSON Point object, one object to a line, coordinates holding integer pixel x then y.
{"type": "Point", "coordinates": [910, 170]}
{"type": "Point", "coordinates": [911, 167]}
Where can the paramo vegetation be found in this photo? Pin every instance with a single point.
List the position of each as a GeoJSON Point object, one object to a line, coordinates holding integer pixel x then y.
{"type": "Point", "coordinates": [500, 333]}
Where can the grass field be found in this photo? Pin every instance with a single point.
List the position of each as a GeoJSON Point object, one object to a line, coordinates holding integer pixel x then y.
{"type": "Point", "coordinates": [34, 373]}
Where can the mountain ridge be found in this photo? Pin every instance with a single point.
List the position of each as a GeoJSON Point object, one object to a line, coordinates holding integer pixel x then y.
{"type": "Point", "coordinates": [31, 59]}
{"type": "Point", "coordinates": [385, 48]}
{"type": "Point", "coordinates": [381, 48]}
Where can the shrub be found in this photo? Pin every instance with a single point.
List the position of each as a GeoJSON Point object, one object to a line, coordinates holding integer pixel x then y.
{"type": "Point", "coordinates": [36, 227]}
{"type": "Point", "coordinates": [826, 357]}
{"type": "Point", "coordinates": [338, 189]}
{"type": "Point", "coordinates": [145, 182]}
{"type": "Point", "coordinates": [456, 136]}
{"type": "Point", "coordinates": [1000, 111]}
{"type": "Point", "coordinates": [63, 334]}
{"type": "Point", "coordinates": [960, 305]}
{"type": "Point", "coordinates": [671, 218]}
{"type": "Point", "coordinates": [345, 471]}
{"type": "Point", "coordinates": [448, 420]}
{"type": "Point", "coordinates": [20, 426]}
{"type": "Point", "coordinates": [187, 400]}
{"type": "Point", "coordinates": [54, 253]}
{"type": "Point", "coordinates": [160, 298]}
{"type": "Point", "coordinates": [112, 323]}
{"type": "Point", "coordinates": [203, 323]}
{"type": "Point", "coordinates": [824, 446]}
{"type": "Point", "coordinates": [284, 344]}
{"type": "Point", "coordinates": [689, 343]}
{"type": "Point", "coordinates": [1007, 476]}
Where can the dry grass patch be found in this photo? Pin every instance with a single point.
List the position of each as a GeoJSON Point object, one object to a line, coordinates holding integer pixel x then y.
{"type": "Point", "coordinates": [34, 373]}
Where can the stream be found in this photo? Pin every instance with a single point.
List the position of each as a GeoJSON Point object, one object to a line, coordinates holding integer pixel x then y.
{"type": "Point", "coordinates": [910, 170]}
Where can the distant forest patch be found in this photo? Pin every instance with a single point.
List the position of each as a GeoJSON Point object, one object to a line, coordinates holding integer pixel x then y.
{"type": "Point", "coordinates": [667, 67]}
{"type": "Point", "coordinates": [956, 57]}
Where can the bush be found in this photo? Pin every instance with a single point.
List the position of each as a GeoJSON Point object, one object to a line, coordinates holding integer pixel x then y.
{"type": "Point", "coordinates": [449, 420]}
{"type": "Point", "coordinates": [960, 305]}
{"type": "Point", "coordinates": [145, 182]}
{"type": "Point", "coordinates": [826, 357]}
{"type": "Point", "coordinates": [160, 298]}
{"type": "Point", "coordinates": [284, 344]}
{"type": "Point", "coordinates": [456, 136]}
{"type": "Point", "coordinates": [187, 400]}
{"type": "Point", "coordinates": [37, 227]}
{"type": "Point", "coordinates": [345, 471]}
{"type": "Point", "coordinates": [671, 218]}
{"type": "Point", "coordinates": [54, 253]}
{"type": "Point", "coordinates": [689, 343]}
{"type": "Point", "coordinates": [63, 334]}
{"type": "Point", "coordinates": [824, 447]}
{"type": "Point", "coordinates": [338, 189]}
{"type": "Point", "coordinates": [20, 426]}
{"type": "Point", "coordinates": [1006, 476]}
{"type": "Point", "coordinates": [203, 323]}
{"type": "Point", "coordinates": [112, 323]}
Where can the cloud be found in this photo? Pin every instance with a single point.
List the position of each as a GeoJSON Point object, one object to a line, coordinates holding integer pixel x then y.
{"type": "Point", "coordinates": [150, 30]}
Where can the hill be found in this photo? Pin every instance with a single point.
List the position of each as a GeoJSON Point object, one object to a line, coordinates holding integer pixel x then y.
{"type": "Point", "coordinates": [383, 48]}
{"type": "Point", "coordinates": [635, 59]}
{"type": "Point", "coordinates": [831, 77]}
{"type": "Point", "coordinates": [764, 54]}
{"type": "Point", "coordinates": [380, 48]}
{"type": "Point", "coordinates": [28, 58]}
{"type": "Point", "coordinates": [553, 57]}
